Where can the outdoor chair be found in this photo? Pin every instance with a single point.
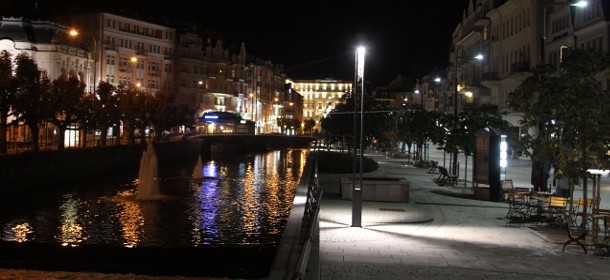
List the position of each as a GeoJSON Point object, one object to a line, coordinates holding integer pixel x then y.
{"type": "Point", "coordinates": [601, 229]}
{"type": "Point", "coordinates": [605, 241]}
{"type": "Point", "coordinates": [518, 201]}
{"type": "Point", "coordinates": [445, 177]}
{"type": "Point", "coordinates": [578, 213]}
{"type": "Point", "coordinates": [433, 166]}
{"type": "Point", "coordinates": [518, 206]}
{"type": "Point", "coordinates": [555, 211]}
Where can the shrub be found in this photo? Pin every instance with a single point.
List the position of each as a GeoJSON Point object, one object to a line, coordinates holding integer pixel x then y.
{"type": "Point", "coordinates": [334, 162]}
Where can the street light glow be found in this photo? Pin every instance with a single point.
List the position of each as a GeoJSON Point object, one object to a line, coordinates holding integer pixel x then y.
{"type": "Point", "coordinates": [580, 4]}
{"type": "Point", "coordinates": [360, 58]}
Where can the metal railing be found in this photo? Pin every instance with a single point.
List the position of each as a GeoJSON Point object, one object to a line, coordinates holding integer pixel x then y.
{"type": "Point", "coordinates": [293, 254]}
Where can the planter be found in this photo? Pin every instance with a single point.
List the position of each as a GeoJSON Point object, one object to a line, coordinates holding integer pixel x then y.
{"type": "Point", "coordinates": [377, 189]}
{"type": "Point", "coordinates": [330, 182]}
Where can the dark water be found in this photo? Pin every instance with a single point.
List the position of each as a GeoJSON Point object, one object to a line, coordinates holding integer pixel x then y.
{"type": "Point", "coordinates": [241, 201]}
{"type": "Point", "coordinates": [216, 218]}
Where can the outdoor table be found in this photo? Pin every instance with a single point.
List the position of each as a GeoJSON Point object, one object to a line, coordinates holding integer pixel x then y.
{"type": "Point", "coordinates": [538, 201]}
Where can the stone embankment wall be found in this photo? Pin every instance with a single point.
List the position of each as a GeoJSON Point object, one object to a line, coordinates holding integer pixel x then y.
{"type": "Point", "coordinates": [37, 170]}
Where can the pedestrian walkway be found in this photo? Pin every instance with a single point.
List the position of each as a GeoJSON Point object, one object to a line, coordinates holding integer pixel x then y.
{"type": "Point", "coordinates": [440, 235]}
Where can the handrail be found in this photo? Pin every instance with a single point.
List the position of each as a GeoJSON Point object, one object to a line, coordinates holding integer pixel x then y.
{"type": "Point", "coordinates": [293, 253]}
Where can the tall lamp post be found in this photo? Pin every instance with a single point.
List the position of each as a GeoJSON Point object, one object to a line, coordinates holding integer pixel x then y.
{"type": "Point", "coordinates": [578, 4]}
{"type": "Point", "coordinates": [357, 189]}
{"type": "Point", "coordinates": [455, 102]}
{"type": "Point", "coordinates": [75, 33]}
{"type": "Point", "coordinates": [254, 95]}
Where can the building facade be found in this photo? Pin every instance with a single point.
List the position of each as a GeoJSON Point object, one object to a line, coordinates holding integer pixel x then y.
{"type": "Point", "coordinates": [515, 36]}
{"type": "Point", "coordinates": [321, 96]}
{"type": "Point", "coordinates": [55, 52]}
{"type": "Point", "coordinates": [128, 51]}
{"type": "Point", "coordinates": [201, 73]}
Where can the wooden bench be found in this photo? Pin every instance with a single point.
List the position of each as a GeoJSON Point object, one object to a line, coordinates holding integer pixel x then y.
{"type": "Point", "coordinates": [445, 177]}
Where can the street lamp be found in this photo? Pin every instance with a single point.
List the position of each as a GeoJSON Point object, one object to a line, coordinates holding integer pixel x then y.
{"type": "Point", "coordinates": [357, 189]}
{"type": "Point", "coordinates": [200, 84]}
{"type": "Point", "coordinates": [254, 96]}
{"type": "Point", "coordinates": [74, 33]}
{"type": "Point", "coordinates": [421, 97]}
{"type": "Point", "coordinates": [437, 80]}
{"type": "Point", "coordinates": [455, 101]}
{"type": "Point", "coordinates": [135, 66]}
{"type": "Point", "coordinates": [579, 4]}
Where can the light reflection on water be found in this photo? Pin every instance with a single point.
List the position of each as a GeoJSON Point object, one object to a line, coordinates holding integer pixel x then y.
{"type": "Point", "coordinates": [244, 200]}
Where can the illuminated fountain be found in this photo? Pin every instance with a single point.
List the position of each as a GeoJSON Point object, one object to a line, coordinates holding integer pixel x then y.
{"type": "Point", "coordinates": [148, 184]}
{"type": "Point", "coordinates": [198, 170]}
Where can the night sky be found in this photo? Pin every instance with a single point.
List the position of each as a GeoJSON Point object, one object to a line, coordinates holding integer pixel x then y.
{"type": "Point", "coordinates": [312, 39]}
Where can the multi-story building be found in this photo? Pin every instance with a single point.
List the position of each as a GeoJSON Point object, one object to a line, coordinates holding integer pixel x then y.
{"type": "Point", "coordinates": [49, 44]}
{"type": "Point", "coordinates": [321, 96]}
{"type": "Point", "coordinates": [213, 78]}
{"type": "Point", "coordinates": [203, 74]}
{"type": "Point", "coordinates": [129, 52]}
{"type": "Point", "coordinates": [55, 52]}
{"type": "Point", "coordinates": [397, 93]}
{"type": "Point", "coordinates": [514, 36]}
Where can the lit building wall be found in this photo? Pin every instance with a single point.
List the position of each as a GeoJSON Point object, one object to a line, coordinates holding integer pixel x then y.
{"type": "Point", "coordinates": [55, 53]}
{"type": "Point", "coordinates": [48, 44]}
{"type": "Point", "coordinates": [321, 96]}
{"type": "Point", "coordinates": [119, 40]}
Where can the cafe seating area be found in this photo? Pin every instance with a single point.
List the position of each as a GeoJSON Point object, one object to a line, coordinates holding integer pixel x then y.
{"type": "Point", "coordinates": [585, 224]}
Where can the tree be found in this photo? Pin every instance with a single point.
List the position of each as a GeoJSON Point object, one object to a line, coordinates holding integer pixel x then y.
{"type": "Point", "coordinates": [163, 114]}
{"type": "Point", "coordinates": [132, 104]}
{"type": "Point", "coordinates": [67, 92]}
{"type": "Point", "coordinates": [309, 125]}
{"type": "Point", "coordinates": [474, 120]}
{"type": "Point", "coordinates": [141, 112]}
{"type": "Point", "coordinates": [288, 124]}
{"type": "Point", "coordinates": [32, 88]}
{"type": "Point", "coordinates": [571, 112]}
{"type": "Point", "coordinates": [419, 126]}
{"type": "Point", "coordinates": [106, 112]}
{"type": "Point", "coordinates": [338, 125]}
{"type": "Point", "coordinates": [7, 89]}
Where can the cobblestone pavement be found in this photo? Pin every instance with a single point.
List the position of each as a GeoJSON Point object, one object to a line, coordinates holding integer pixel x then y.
{"type": "Point", "coordinates": [443, 236]}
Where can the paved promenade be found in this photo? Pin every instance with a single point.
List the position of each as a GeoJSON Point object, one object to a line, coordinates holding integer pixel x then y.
{"type": "Point", "coordinates": [440, 236]}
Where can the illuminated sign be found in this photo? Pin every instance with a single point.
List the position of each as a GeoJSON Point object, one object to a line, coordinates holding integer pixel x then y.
{"type": "Point", "coordinates": [503, 152]}
{"type": "Point", "coordinates": [210, 117]}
